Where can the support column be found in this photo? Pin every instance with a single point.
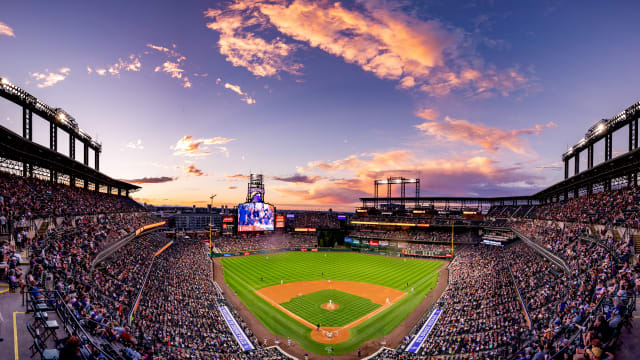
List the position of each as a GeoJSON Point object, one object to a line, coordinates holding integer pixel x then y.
{"type": "Point", "coordinates": [631, 135]}
{"type": "Point", "coordinates": [577, 163]}
{"type": "Point", "coordinates": [375, 194]}
{"type": "Point", "coordinates": [590, 156]}
{"type": "Point", "coordinates": [97, 161]}
{"type": "Point", "coordinates": [635, 133]}
{"type": "Point", "coordinates": [608, 146]}
{"type": "Point", "coordinates": [27, 124]}
{"type": "Point", "coordinates": [53, 136]}
{"type": "Point", "coordinates": [388, 193]}
{"type": "Point", "coordinates": [566, 168]}
{"type": "Point", "coordinates": [72, 147]}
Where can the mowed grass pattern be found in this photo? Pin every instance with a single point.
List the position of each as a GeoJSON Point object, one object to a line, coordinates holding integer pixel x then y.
{"type": "Point", "coordinates": [351, 307]}
{"type": "Point", "coordinates": [247, 274]}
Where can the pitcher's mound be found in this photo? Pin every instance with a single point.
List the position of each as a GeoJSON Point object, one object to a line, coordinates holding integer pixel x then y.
{"type": "Point", "coordinates": [330, 306]}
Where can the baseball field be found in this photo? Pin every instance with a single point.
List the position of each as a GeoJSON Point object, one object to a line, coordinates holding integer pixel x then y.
{"type": "Point", "coordinates": [330, 302]}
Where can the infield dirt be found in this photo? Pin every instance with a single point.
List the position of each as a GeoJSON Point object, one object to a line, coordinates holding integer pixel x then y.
{"type": "Point", "coordinates": [381, 295]}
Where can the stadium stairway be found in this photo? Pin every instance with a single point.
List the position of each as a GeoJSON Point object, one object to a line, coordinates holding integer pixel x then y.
{"type": "Point", "coordinates": [636, 243]}
{"type": "Point", "coordinates": [525, 216]}
{"type": "Point", "coordinates": [616, 236]}
{"type": "Point", "coordinates": [44, 226]}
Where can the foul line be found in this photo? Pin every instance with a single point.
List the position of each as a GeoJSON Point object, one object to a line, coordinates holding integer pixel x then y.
{"type": "Point", "coordinates": [345, 327]}
{"type": "Point", "coordinates": [15, 334]}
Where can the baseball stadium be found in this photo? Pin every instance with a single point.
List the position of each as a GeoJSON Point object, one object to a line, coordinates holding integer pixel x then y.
{"type": "Point", "coordinates": [196, 220]}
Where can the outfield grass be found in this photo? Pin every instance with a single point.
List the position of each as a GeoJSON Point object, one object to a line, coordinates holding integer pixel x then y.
{"type": "Point", "coordinates": [351, 308]}
{"type": "Point", "coordinates": [247, 274]}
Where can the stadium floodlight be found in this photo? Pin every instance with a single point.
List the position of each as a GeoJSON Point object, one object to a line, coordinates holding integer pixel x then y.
{"type": "Point", "coordinates": [61, 116]}
{"type": "Point", "coordinates": [602, 127]}
{"type": "Point", "coordinates": [4, 81]}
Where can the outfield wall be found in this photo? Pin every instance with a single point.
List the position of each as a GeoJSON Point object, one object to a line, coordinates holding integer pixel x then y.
{"type": "Point", "coordinates": [387, 252]}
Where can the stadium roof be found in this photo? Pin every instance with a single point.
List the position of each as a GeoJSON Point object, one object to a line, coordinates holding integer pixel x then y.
{"type": "Point", "coordinates": [17, 148]}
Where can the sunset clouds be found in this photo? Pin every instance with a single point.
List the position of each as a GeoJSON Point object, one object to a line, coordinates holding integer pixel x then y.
{"type": "Point", "coordinates": [244, 96]}
{"type": "Point", "coordinates": [6, 30]}
{"type": "Point", "coordinates": [378, 37]}
{"type": "Point", "coordinates": [131, 63]}
{"type": "Point", "coordinates": [192, 170]}
{"type": "Point", "coordinates": [173, 65]}
{"type": "Point", "coordinates": [487, 137]}
{"type": "Point", "coordinates": [244, 48]}
{"type": "Point", "coordinates": [352, 177]}
{"type": "Point", "coordinates": [150, 180]}
{"type": "Point", "coordinates": [192, 147]}
{"type": "Point", "coordinates": [49, 78]}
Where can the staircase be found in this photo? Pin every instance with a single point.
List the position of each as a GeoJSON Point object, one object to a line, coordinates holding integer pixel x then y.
{"type": "Point", "coordinates": [636, 243]}
{"type": "Point", "coordinates": [43, 228]}
{"type": "Point", "coordinates": [616, 236]}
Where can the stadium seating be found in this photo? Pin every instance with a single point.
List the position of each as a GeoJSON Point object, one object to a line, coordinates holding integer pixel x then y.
{"type": "Point", "coordinates": [500, 303]}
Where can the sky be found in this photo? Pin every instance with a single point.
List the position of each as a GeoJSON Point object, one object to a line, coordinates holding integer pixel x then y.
{"type": "Point", "coordinates": [475, 98]}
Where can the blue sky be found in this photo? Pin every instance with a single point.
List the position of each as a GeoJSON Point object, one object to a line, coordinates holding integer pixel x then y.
{"type": "Point", "coordinates": [476, 98]}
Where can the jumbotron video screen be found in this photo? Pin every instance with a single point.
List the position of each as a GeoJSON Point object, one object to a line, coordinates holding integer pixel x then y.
{"type": "Point", "coordinates": [256, 216]}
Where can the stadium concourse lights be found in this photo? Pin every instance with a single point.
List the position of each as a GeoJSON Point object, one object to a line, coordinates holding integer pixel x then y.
{"type": "Point", "coordinates": [602, 127]}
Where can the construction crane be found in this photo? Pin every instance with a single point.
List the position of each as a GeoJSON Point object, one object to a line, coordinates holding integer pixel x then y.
{"type": "Point", "coordinates": [212, 197]}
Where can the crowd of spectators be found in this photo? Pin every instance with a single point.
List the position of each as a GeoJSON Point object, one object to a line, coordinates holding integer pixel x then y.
{"type": "Point", "coordinates": [314, 219]}
{"type": "Point", "coordinates": [178, 314]}
{"type": "Point", "coordinates": [253, 242]}
{"type": "Point", "coordinates": [27, 198]}
{"type": "Point", "coordinates": [432, 236]}
{"type": "Point", "coordinates": [614, 207]}
{"type": "Point", "coordinates": [426, 247]}
{"type": "Point", "coordinates": [481, 312]}
{"type": "Point", "coordinates": [120, 277]}
{"type": "Point", "coordinates": [576, 313]}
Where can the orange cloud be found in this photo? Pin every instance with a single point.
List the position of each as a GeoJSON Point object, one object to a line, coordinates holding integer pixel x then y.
{"type": "Point", "coordinates": [192, 170]}
{"type": "Point", "coordinates": [243, 48]}
{"type": "Point", "coordinates": [189, 146]}
{"type": "Point", "coordinates": [237, 176]}
{"type": "Point", "coordinates": [387, 43]}
{"type": "Point", "coordinates": [6, 30]}
{"type": "Point", "coordinates": [379, 37]}
{"type": "Point", "coordinates": [132, 63]}
{"type": "Point", "coordinates": [174, 70]}
{"type": "Point", "coordinates": [48, 79]}
{"type": "Point", "coordinates": [453, 176]}
{"type": "Point", "coordinates": [236, 89]}
{"type": "Point", "coordinates": [298, 178]}
{"type": "Point", "coordinates": [150, 180]}
{"type": "Point", "coordinates": [173, 65]}
{"type": "Point", "coordinates": [428, 114]}
{"type": "Point", "coordinates": [489, 138]}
